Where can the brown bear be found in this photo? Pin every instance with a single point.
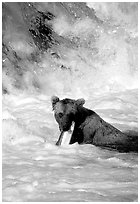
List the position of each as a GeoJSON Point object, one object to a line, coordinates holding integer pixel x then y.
{"type": "Point", "coordinates": [89, 127]}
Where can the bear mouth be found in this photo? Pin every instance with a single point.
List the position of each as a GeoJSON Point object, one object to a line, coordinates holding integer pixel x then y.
{"type": "Point", "coordinates": [65, 136]}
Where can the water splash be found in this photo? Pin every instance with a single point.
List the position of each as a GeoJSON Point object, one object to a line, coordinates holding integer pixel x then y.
{"type": "Point", "coordinates": [72, 50]}
{"type": "Point", "coordinates": [72, 45]}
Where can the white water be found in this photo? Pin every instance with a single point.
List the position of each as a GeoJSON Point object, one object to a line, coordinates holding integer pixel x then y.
{"type": "Point", "coordinates": [34, 169]}
{"type": "Point", "coordinates": [103, 70]}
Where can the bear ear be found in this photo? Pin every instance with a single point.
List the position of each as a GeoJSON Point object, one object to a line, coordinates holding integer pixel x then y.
{"type": "Point", "coordinates": [54, 100]}
{"type": "Point", "coordinates": [80, 102]}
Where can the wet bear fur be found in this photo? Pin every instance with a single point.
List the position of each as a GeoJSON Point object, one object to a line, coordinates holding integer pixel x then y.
{"type": "Point", "coordinates": [90, 128]}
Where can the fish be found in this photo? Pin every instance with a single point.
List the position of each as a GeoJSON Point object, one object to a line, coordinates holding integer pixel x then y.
{"type": "Point", "coordinates": [65, 136]}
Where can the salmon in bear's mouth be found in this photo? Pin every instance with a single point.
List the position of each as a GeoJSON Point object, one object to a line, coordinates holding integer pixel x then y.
{"type": "Point", "coordinates": [65, 136]}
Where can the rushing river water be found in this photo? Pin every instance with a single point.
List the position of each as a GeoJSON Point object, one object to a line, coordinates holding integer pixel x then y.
{"type": "Point", "coordinates": [34, 169]}
{"type": "Point", "coordinates": [90, 51]}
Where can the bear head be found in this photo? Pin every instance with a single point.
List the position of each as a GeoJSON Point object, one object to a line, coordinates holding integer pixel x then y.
{"type": "Point", "coordinates": [65, 111]}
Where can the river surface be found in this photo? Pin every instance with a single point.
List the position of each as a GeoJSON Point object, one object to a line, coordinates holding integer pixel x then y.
{"type": "Point", "coordinates": [92, 54]}
{"type": "Point", "coordinates": [35, 169]}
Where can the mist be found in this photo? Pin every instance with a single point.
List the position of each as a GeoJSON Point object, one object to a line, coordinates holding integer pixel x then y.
{"type": "Point", "coordinates": [72, 50]}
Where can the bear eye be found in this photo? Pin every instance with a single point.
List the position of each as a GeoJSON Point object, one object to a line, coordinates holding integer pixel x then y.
{"type": "Point", "coordinates": [60, 115]}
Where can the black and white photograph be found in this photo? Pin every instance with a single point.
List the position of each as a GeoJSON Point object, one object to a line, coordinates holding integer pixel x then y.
{"type": "Point", "coordinates": [69, 101]}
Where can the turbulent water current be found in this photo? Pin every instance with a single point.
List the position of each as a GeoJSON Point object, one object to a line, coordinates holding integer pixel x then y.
{"type": "Point", "coordinates": [72, 50]}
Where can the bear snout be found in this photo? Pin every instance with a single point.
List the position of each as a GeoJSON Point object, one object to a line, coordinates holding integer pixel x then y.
{"type": "Point", "coordinates": [66, 127]}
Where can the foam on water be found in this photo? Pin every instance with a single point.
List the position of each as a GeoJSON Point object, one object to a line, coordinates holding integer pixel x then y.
{"type": "Point", "coordinates": [98, 63]}
{"type": "Point", "coordinates": [35, 169]}
{"type": "Point", "coordinates": [93, 53]}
